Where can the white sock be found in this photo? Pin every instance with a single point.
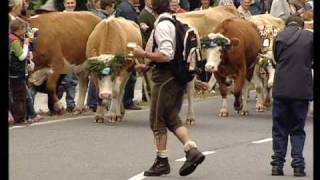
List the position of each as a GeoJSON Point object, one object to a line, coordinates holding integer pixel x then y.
{"type": "Point", "coordinates": [188, 145]}
{"type": "Point", "coordinates": [162, 153]}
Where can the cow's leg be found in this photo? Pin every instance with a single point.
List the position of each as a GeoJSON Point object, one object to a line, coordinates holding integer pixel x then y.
{"type": "Point", "coordinates": [258, 85]}
{"type": "Point", "coordinates": [191, 120]}
{"type": "Point", "coordinates": [238, 85]}
{"type": "Point", "coordinates": [83, 87]}
{"type": "Point", "coordinates": [271, 71]}
{"type": "Point", "coordinates": [244, 111]}
{"type": "Point", "coordinates": [212, 83]}
{"type": "Point", "coordinates": [53, 101]}
{"type": "Point", "coordinates": [223, 88]}
{"type": "Point", "coordinates": [101, 109]}
{"type": "Point", "coordinates": [114, 113]}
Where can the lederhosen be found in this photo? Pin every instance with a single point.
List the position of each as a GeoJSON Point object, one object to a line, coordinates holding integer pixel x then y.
{"type": "Point", "coordinates": [166, 98]}
{"type": "Point", "coordinates": [17, 84]}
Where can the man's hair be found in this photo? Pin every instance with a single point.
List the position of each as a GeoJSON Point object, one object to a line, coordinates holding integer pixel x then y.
{"type": "Point", "coordinates": [295, 19]}
{"type": "Point", "coordinates": [17, 24]}
{"type": "Point", "coordinates": [105, 3]}
{"type": "Point", "coordinates": [160, 6]}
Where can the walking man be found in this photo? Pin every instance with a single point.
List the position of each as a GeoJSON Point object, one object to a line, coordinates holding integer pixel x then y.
{"type": "Point", "coordinates": [164, 114]}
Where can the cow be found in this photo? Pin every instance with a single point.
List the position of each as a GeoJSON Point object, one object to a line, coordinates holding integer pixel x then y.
{"type": "Point", "coordinates": [204, 21]}
{"type": "Point", "coordinates": [110, 39]}
{"type": "Point", "coordinates": [264, 71]}
{"type": "Point", "coordinates": [232, 50]}
{"type": "Point", "coordinates": [59, 46]}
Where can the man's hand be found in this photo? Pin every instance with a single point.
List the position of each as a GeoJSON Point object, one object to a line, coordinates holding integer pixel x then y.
{"type": "Point", "coordinates": [140, 67]}
{"type": "Point", "coordinates": [139, 52]}
{"type": "Point", "coordinates": [144, 26]}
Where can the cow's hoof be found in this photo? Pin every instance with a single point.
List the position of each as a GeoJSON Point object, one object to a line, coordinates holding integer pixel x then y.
{"type": "Point", "coordinates": [58, 106]}
{"type": "Point", "coordinates": [244, 113]}
{"type": "Point", "coordinates": [111, 119]}
{"type": "Point", "coordinates": [99, 119]}
{"type": "Point", "coordinates": [119, 118]}
{"type": "Point", "coordinates": [78, 111]}
{"type": "Point", "coordinates": [190, 122]}
{"type": "Point", "coordinates": [267, 104]}
{"type": "Point", "coordinates": [260, 108]}
{"type": "Point", "coordinates": [223, 114]}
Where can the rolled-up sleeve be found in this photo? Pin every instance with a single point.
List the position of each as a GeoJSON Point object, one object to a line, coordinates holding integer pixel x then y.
{"type": "Point", "coordinates": [165, 36]}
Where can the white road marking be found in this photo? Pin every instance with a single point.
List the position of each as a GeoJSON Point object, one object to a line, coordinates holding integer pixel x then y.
{"type": "Point", "coordinates": [205, 153]}
{"type": "Point", "coordinates": [262, 141]}
{"type": "Point", "coordinates": [138, 177]}
{"type": "Point", "coordinates": [52, 121]}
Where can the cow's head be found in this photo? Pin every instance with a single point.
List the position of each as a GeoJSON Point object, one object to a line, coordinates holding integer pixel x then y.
{"type": "Point", "coordinates": [214, 46]}
{"type": "Point", "coordinates": [104, 69]}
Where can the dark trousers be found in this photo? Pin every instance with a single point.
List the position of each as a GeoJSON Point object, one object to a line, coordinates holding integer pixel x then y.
{"type": "Point", "coordinates": [18, 95]}
{"type": "Point", "coordinates": [68, 85]}
{"type": "Point", "coordinates": [31, 113]}
{"type": "Point", "coordinates": [92, 99]}
{"type": "Point", "coordinates": [129, 90]}
{"type": "Point", "coordinates": [289, 117]}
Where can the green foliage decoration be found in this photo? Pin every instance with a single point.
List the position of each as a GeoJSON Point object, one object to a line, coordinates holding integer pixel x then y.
{"type": "Point", "coordinates": [115, 63]}
{"type": "Point", "coordinates": [206, 42]}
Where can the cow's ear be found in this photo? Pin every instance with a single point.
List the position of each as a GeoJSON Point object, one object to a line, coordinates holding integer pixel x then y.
{"type": "Point", "coordinates": [235, 42]}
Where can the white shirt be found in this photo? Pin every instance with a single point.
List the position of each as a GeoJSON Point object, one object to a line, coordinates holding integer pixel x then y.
{"type": "Point", "coordinates": [165, 36]}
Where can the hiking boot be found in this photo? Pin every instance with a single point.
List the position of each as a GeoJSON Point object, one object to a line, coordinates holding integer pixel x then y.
{"type": "Point", "coordinates": [160, 166]}
{"type": "Point", "coordinates": [133, 107]}
{"type": "Point", "coordinates": [299, 172]}
{"type": "Point", "coordinates": [276, 171]}
{"type": "Point", "coordinates": [193, 159]}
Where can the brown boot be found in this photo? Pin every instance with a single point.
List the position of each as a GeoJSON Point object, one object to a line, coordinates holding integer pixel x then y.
{"type": "Point", "coordinates": [193, 159]}
{"type": "Point", "coordinates": [160, 166]}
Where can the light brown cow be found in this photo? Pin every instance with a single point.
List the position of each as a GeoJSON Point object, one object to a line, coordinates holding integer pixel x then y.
{"type": "Point", "coordinates": [60, 44]}
{"type": "Point", "coordinates": [205, 21]}
{"type": "Point", "coordinates": [232, 51]}
{"type": "Point", "coordinates": [110, 37]}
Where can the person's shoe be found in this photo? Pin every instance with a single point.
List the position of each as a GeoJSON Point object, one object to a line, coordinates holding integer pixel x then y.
{"type": "Point", "coordinates": [93, 109]}
{"type": "Point", "coordinates": [299, 172]}
{"type": "Point", "coordinates": [70, 109]}
{"type": "Point", "coordinates": [160, 166]}
{"type": "Point", "coordinates": [37, 118]}
{"type": "Point", "coordinates": [193, 158]}
{"type": "Point", "coordinates": [23, 123]}
{"type": "Point", "coordinates": [276, 171]}
{"type": "Point", "coordinates": [133, 107]}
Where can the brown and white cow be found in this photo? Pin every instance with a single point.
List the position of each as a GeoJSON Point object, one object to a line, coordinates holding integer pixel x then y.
{"type": "Point", "coordinates": [204, 21]}
{"type": "Point", "coordinates": [110, 37]}
{"type": "Point", "coordinates": [60, 44]}
{"type": "Point", "coordinates": [231, 52]}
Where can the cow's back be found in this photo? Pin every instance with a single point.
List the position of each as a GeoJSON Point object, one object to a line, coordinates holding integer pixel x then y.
{"type": "Point", "coordinates": [111, 36]}
{"type": "Point", "coordinates": [267, 20]}
{"type": "Point", "coordinates": [62, 34]}
{"type": "Point", "coordinates": [248, 34]}
{"type": "Point", "coordinates": [205, 21]}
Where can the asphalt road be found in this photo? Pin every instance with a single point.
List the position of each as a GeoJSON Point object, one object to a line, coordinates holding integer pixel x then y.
{"type": "Point", "coordinates": [76, 148]}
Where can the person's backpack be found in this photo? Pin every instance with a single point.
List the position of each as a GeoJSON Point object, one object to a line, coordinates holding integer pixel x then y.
{"type": "Point", "coordinates": [187, 58]}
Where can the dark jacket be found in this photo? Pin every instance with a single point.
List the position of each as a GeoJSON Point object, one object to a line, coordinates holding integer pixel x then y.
{"type": "Point", "coordinates": [293, 54]}
{"type": "Point", "coordinates": [126, 10]}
